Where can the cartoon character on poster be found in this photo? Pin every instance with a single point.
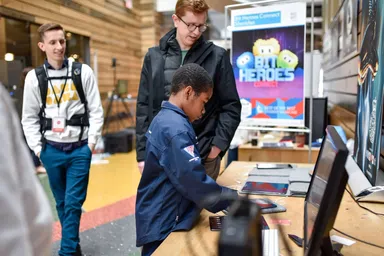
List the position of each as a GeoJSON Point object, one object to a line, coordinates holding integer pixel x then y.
{"type": "Point", "coordinates": [267, 63]}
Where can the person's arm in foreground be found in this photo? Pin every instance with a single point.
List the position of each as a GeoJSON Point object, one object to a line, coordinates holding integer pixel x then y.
{"type": "Point", "coordinates": [25, 215]}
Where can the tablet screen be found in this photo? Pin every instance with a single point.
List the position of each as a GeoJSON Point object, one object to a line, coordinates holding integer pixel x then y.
{"type": "Point", "coordinates": [265, 188]}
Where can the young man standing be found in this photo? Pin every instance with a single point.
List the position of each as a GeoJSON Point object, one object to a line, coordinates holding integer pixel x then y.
{"type": "Point", "coordinates": [62, 120]}
{"type": "Point", "coordinates": [185, 44]}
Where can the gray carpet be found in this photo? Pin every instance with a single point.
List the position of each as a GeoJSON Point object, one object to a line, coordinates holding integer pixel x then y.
{"type": "Point", "coordinates": [117, 238]}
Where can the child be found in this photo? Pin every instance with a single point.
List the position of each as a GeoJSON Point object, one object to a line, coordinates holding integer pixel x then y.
{"type": "Point", "coordinates": [174, 182]}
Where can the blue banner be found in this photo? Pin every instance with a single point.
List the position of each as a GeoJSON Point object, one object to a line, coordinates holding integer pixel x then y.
{"type": "Point", "coordinates": [257, 19]}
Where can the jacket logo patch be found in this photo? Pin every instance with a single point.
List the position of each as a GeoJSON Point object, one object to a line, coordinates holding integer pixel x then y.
{"type": "Point", "coordinates": [194, 159]}
{"type": "Point", "coordinates": [190, 150]}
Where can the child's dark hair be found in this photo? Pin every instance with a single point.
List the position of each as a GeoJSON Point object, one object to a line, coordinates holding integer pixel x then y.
{"type": "Point", "coordinates": [191, 75]}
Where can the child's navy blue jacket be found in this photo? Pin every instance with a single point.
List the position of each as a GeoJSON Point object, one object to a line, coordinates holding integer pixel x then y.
{"type": "Point", "coordinates": [174, 182]}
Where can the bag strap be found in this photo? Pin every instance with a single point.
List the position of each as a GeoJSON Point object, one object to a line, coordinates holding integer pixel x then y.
{"type": "Point", "coordinates": [43, 85]}
{"type": "Point", "coordinates": [76, 78]}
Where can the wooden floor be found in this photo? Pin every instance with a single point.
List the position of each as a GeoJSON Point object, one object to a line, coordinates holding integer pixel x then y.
{"type": "Point", "coordinates": [112, 182]}
{"type": "Point", "coordinates": [108, 183]}
{"type": "Point", "coordinates": [110, 200]}
{"type": "Point", "coordinates": [115, 181]}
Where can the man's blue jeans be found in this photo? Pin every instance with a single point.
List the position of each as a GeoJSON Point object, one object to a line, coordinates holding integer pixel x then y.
{"type": "Point", "coordinates": [68, 174]}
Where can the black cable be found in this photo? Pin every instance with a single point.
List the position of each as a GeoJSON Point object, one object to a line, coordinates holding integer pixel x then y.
{"type": "Point", "coordinates": [363, 207]}
{"type": "Point", "coordinates": [362, 241]}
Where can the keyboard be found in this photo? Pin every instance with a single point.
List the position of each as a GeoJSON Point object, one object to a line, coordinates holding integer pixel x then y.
{"type": "Point", "coordinates": [270, 239]}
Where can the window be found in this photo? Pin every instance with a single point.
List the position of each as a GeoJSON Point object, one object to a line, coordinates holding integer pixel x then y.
{"type": "Point", "coordinates": [16, 45]}
{"type": "Point", "coordinates": [77, 47]}
{"type": "Point", "coordinates": [19, 51]}
{"type": "Point", "coordinates": [18, 42]}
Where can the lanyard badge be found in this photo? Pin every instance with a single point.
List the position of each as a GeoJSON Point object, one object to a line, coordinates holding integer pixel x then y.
{"type": "Point", "coordinates": [58, 124]}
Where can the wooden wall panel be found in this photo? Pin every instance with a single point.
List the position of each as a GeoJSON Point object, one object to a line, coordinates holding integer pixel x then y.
{"type": "Point", "coordinates": [345, 85]}
{"type": "Point", "coordinates": [344, 69]}
{"type": "Point", "coordinates": [114, 32]}
{"type": "Point", "coordinates": [37, 54]}
{"type": "Point", "coordinates": [347, 101]}
{"type": "Point", "coordinates": [3, 44]}
{"type": "Point", "coordinates": [344, 118]}
{"type": "Point", "coordinates": [340, 86]}
{"type": "Point", "coordinates": [117, 37]}
{"type": "Point", "coordinates": [150, 29]}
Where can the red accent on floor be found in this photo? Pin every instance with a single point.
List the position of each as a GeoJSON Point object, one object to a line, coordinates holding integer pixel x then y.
{"type": "Point", "coordinates": [101, 216]}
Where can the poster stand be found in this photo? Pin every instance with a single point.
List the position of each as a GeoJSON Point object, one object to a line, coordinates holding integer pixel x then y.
{"type": "Point", "coordinates": [256, 3]}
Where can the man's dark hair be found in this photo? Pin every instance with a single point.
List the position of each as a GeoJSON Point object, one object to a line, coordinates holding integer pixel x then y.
{"type": "Point", "coordinates": [191, 75]}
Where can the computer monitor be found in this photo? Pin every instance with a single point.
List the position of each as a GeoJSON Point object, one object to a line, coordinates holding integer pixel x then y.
{"type": "Point", "coordinates": [319, 117]}
{"type": "Point", "coordinates": [324, 195]}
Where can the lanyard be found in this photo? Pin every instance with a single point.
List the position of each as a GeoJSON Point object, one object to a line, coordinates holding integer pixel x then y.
{"type": "Point", "coordinates": [53, 89]}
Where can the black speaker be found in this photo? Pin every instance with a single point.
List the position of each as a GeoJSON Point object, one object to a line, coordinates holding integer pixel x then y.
{"type": "Point", "coordinates": [119, 142]}
{"type": "Point", "coordinates": [242, 230]}
{"type": "Point", "coordinates": [319, 117]}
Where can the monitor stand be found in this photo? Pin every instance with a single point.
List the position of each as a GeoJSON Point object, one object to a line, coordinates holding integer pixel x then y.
{"type": "Point", "coordinates": [327, 249]}
{"type": "Point", "coordinates": [361, 188]}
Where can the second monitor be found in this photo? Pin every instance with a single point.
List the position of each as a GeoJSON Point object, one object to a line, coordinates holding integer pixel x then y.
{"type": "Point", "coordinates": [324, 195]}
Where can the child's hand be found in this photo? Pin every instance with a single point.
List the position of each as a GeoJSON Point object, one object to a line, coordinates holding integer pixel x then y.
{"type": "Point", "coordinates": [140, 165]}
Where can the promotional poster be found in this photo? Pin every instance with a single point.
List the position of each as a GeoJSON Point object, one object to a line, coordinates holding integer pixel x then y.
{"type": "Point", "coordinates": [370, 90]}
{"type": "Point", "coordinates": [268, 45]}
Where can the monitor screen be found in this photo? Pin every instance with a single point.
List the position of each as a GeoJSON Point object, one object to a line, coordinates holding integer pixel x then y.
{"type": "Point", "coordinates": [319, 183]}
{"type": "Point", "coordinates": [327, 185]}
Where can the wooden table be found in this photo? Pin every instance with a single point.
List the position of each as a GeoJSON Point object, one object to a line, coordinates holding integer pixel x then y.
{"type": "Point", "coordinates": [247, 152]}
{"type": "Point", "coordinates": [351, 219]}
